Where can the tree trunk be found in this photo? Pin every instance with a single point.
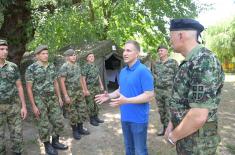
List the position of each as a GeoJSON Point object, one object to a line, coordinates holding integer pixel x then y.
{"type": "Point", "coordinates": [17, 29]}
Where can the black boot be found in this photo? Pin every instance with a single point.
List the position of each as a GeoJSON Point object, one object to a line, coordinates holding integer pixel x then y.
{"type": "Point", "coordinates": [76, 134]}
{"type": "Point", "coordinates": [57, 145]}
{"type": "Point", "coordinates": [17, 153]}
{"type": "Point", "coordinates": [81, 130]}
{"type": "Point", "coordinates": [98, 120]}
{"type": "Point", "coordinates": [93, 121]}
{"type": "Point", "coordinates": [49, 149]}
{"type": "Point", "coordinates": [162, 132]}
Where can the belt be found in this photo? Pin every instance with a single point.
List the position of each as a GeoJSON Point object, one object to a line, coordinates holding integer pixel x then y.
{"type": "Point", "coordinates": [163, 87]}
{"type": "Point", "coordinates": [47, 93]}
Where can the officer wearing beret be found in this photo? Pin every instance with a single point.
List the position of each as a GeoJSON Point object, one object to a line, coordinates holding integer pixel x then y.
{"type": "Point", "coordinates": [44, 94]}
{"type": "Point", "coordinates": [72, 88]}
{"type": "Point", "coordinates": [196, 92]}
{"type": "Point", "coordinates": [11, 111]}
{"type": "Point", "coordinates": [93, 85]}
{"type": "Point", "coordinates": [164, 71]}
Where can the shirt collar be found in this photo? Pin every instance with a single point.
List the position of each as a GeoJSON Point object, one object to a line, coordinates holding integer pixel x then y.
{"type": "Point", "coordinates": [133, 67]}
{"type": "Point", "coordinates": [41, 65]}
{"type": "Point", "coordinates": [193, 52]}
{"type": "Point", "coordinates": [5, 63]}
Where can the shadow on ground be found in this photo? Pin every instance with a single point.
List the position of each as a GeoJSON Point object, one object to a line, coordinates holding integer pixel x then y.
{"type": "Point", "coordinates": [107, 139]}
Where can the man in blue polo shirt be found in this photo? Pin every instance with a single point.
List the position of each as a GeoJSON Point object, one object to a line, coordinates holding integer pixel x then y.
{"type": "Point", "coordinates": [135, 91]}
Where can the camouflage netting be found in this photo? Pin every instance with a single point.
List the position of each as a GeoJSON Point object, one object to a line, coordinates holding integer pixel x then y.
{"type": "Point", "coordinates": [100, 49]}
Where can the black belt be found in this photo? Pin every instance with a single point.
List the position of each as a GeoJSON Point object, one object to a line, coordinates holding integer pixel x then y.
{"type": "Point", "coordinates": [163, 87]}
{"type": "Point", "coordinates": [47, 93]}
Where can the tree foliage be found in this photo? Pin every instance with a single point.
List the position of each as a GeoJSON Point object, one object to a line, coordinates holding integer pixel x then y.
{"type": "Point", "coordinates": [62, 22]}
{"type": "Point", "coordinates": [221, 39]}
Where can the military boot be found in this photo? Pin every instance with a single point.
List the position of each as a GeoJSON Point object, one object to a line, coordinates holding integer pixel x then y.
{"type": "Point", "coordinates": [93, 121]}
{"type": "Point", "coordinates": [57, 145]}
{"type": "Point", "coordinates": [81, 130]}
{"type": "Point", "coordinates": [76, 134]}
{"type": "Point", "coordinates": [49, 149]}
{"type": "Point", "coordinates": [98, 120]}
{"type": "Point", "coordinates": [162, 132]}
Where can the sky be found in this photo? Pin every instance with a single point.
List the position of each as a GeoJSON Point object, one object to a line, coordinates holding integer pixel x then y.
{"type": "Point", "coordinates": [223, 9]}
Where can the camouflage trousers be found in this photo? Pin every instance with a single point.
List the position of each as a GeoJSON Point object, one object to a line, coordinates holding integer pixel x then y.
{"type": "Point", "coordinates": [10, 115]}
{"type": "Point", "coordinates": [202, 142]}
{"type": "Point", "coordinates": [50, 116]}
{"type": "Point", "coordinates": [77, 110]}
{"type": "Point", "coordinates": [92, 107]}
{"type": "Point", "coordinates": [162, 99]}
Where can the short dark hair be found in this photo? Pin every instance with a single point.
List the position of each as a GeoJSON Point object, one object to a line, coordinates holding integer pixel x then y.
{"type": "Point", "coordinates": [135, 43]}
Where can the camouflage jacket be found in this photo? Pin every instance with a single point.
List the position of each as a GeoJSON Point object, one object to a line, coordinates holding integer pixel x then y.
{"type": "Point", "coordinates": [164, 73]}
{"type": "Point", "coordinates": [72, 74]}
{"type": "Point", "coordinates": [91, 73]}
{"type": "Point", "coordinates": [197, 84]}
{"type": "Point", "coordinates": [9, 74]}
{"type": "Point", "coordinates": [41, 77]}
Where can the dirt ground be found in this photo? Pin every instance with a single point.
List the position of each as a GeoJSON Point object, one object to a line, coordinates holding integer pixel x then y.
{"type": "Point", "coordinates": [107, 139]}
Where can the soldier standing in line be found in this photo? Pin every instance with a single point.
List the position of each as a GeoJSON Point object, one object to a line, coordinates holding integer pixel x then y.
{"type": "Point", "coordinates": [42, 88]}
{"type": "Point", "coordinates": [10, 110]}
{"type": "Point", "coordinates": [164, 72]}
{"type": "Point", "coordinates": [72, 88]}
{"type": "Point", "coordinates": [193, 125]}
{"type": "Point", "coordinates": [93, 85]}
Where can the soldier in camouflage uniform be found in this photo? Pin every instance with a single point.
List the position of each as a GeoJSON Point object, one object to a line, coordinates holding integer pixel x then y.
{"type": "Point", "coordinates": [93, 86]}
{"type": "Point", "coordinates": [10, 109]}
{"type": "Point", "coordinates": [164, 72]}
{"type": "Point", "coordinates": [196, 93]}
{"type": "Point", "coordinates": [42, 88]}
{"type": "Point", "coordinates": [72, 88]}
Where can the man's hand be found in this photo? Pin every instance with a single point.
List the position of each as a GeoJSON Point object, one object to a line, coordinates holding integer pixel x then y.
{"type": "Point", "coordinates": [101, 88]}
{"type": "Point", "coordinates": [168, 129]}
{"type": "Point", "coordinates": [36, 111]}
{"type": "Point", "coordinates": [118, 101]}
{"type": "Point", "coordinates": [23, 112]}
{"type": "Point", "coordinates": [101, 98]}
{"type": "Point", "coordinates": [67, 99]}
{"type": "Point", "coordinates": [87, 93]}
{"type": "Point", "coordinates": [61, 102]}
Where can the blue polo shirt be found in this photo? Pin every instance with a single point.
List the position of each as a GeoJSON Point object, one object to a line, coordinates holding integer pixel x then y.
{"type": "Point", "coordinates": [134, 81]}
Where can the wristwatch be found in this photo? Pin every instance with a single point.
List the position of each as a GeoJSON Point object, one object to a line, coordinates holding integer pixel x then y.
{"type": "Point", "coordinates": [170, 141]}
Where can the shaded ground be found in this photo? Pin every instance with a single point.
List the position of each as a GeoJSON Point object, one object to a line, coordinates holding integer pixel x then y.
{"type": "Point", "coordinates": [107, 139]}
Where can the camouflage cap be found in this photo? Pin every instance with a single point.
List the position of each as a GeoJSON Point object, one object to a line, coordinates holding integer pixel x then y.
{"type": "Point", "coordinates": [162, 47]}
{"type": "Point", "coordinates": [3, 42]}
{"type": "Point", "coordinates": [88, 53]}
{"type": "Point", "coordinates": [40, 48]}
{"type": "Point", "coordinates": [69, 52]}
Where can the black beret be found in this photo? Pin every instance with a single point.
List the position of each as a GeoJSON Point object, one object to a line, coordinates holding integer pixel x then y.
{"type": "Point", "coordinates": [40, 48]}
{"type": "Point", "coordinates": [186, 24]}
{"type": "Point", "coordinates": [69, 52]}
{"type": "Point", "coordinates": [3, 42]}
{"type": "Point", "coordinates": [162, 46]}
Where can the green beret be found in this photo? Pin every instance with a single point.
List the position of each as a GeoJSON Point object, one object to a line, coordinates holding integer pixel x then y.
{"type": "Point", "coordinates": [40, 48]}
{"type": "Point", "coordinates": [162, 47]}
{"type": "Point", "coordinates": [69, 52]}
{"type": "Point", "coordinates": [3, 42]}
{"type": "Point", "coordinates": [186, 24]}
